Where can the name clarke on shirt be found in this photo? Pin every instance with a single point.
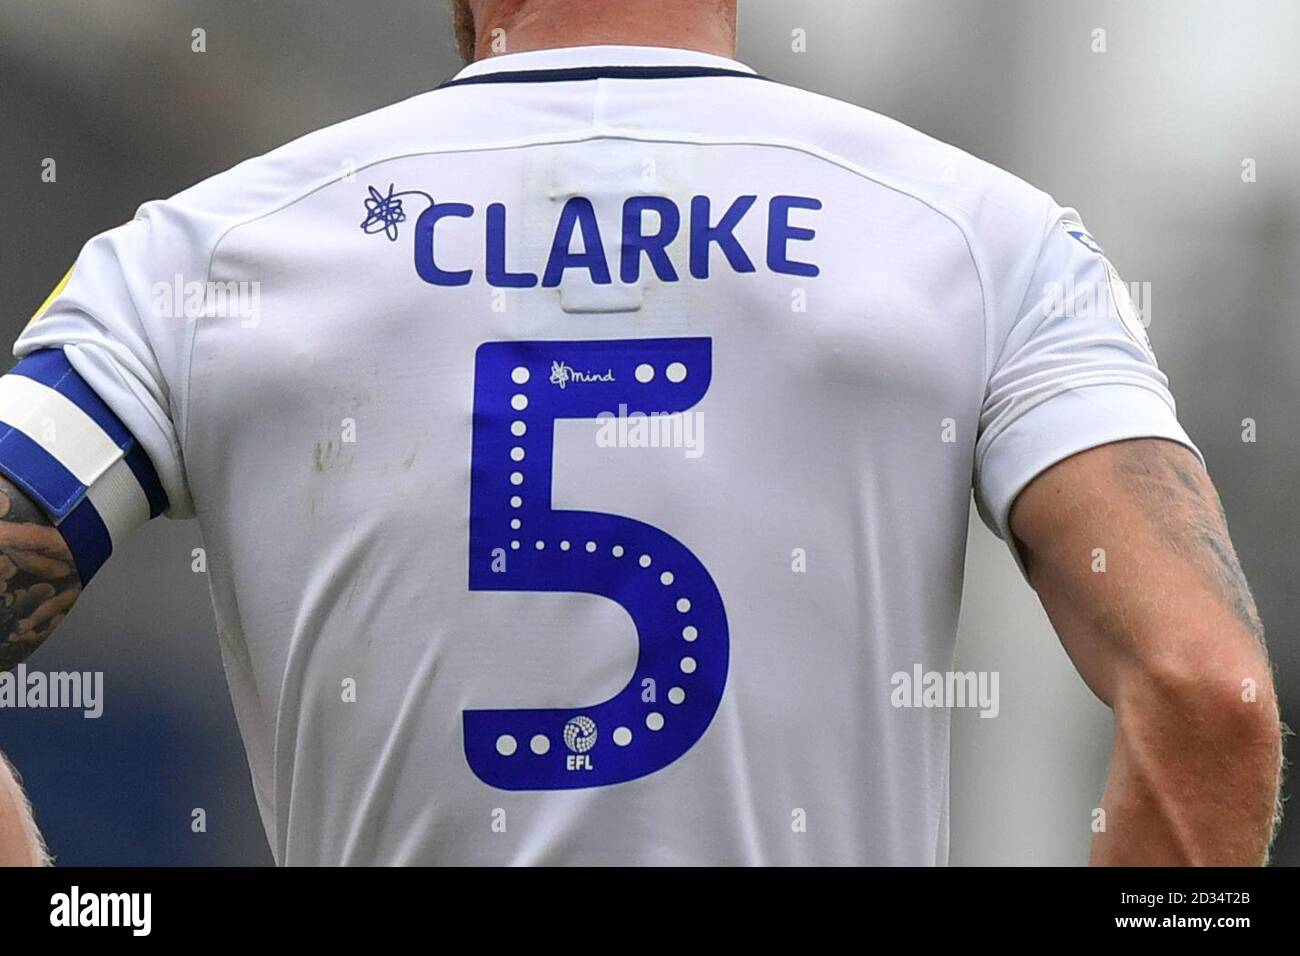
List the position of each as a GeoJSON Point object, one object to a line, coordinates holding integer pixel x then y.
{"type": "Point", "coordinates": [698, 228]}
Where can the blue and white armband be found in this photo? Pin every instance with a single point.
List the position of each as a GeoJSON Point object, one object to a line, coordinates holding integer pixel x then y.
{"type": "Point", "coordinates": [66, 449]}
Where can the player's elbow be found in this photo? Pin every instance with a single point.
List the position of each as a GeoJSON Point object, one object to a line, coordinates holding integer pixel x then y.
{"type": "Point", "coordinates": [1200, 732]}
{"type": "Point", "coordinates": [1212, 691]}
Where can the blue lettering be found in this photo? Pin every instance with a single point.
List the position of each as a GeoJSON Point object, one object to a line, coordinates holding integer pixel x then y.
{"type": "Point", "coordinates": [498, 275]}
{"type": "Point", "coordinates": [578, 217]}
{"type": "Point", "coordinates": [780, 234]}
{"type": "Point", "coordinates": [702, 234]}
{"type": "Point", "coordinates": [655, 247]}
{"type": "Point", "coordinates": [424, 263]}
{"type": "Point", "coordinates": [578, 212]}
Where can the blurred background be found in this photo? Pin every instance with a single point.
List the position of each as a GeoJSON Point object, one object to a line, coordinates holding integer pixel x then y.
{"type": "Point", "coordinates": [1146, 139]}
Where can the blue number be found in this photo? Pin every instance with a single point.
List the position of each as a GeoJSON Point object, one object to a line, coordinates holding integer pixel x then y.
{"type": "Point", "coordinates": [520, 390]}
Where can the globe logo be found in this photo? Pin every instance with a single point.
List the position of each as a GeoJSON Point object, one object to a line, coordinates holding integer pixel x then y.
{"type": "Point", "coordinates": [580, 734]}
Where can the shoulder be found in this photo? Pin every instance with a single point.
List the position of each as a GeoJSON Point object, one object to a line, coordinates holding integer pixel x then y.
{"type": "Point", "coordinates": [1001, 218]}
{"type": "Point", "coordinates": [985, 199]}
{"type": "Point", "coordinates": [263, 184]}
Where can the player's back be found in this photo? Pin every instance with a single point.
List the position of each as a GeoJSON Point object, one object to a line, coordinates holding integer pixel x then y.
{"type": "Point", "coordinates": [584, 449]}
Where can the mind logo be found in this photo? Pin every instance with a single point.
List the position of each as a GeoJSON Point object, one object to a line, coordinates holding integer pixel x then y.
{"type": "Point", "coordinates": [562, 374]}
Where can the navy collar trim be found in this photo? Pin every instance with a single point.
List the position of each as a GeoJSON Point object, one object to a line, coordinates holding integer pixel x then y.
{"type": "Point", "coordinates": [572, 74]}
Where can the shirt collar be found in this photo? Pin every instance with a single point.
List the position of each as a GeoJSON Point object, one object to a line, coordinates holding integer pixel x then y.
{"type": "Point", "coordinates": [578, 57]}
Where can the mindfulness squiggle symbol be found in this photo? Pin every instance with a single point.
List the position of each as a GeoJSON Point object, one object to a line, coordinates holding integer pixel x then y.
{"type": "Point", "coordinates": [560, 374]}
{"type": "Point", "coordinates": [384, 211]}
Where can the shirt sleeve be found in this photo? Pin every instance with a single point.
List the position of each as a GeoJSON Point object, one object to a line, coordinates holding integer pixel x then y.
{"type": "Point", "coordinates": [124, 320]}
{"type": "Point", "coordinates": [88, 416]}
{"type": "Point", "coordinates": [1075, 370]}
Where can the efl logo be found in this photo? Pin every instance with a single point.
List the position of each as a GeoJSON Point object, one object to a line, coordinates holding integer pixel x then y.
{"type": "Point", "coordinates": [579, 737]}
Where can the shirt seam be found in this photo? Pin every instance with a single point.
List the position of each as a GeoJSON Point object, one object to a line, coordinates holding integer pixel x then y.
{"type": "Point", "coordinates": [1049, 220]}
{"type": "Point", "coordinates": [594, 132]}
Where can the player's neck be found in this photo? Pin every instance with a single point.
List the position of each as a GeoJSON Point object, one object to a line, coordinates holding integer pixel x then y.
{"type": "Point", "coordinates": [550, 24]}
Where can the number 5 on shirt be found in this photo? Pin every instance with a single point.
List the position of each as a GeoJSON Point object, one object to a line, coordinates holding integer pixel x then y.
{"type": "Point", "coordinates": [518, 542]}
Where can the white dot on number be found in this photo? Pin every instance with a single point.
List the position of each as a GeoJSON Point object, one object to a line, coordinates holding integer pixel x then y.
{"type": "Point", "coordinates": [666, 578]}
{"type": "Point", "coordinates": [591, 546]}
{"type": "Point", "coordinates": [645, 373]}
{"type": "Point", "coordinates": [654, 720]}
{"type": "Point", "coordinates": [516, 478]}
{"type": "Point", "coordinates": [519, 402]}
{"type": "Point", "coordinates": [506, 745]}
{"type": "Point", "coordinates": [540, 744]}
{"type": "Point", "coordinates": [517, 453]}
{"type": "Point", "coordinates": [688, 665]}
{"type": "Point", "coordinates": [617, 551]}
{"type": "Point", "coordinates": [541, 545]}
{"type": "Point", "coordinates": [518, 428]}
{"type": "Point", "coordinates": [676, 695]}
{"type": "Point", "coordinates": [622, 736]}
{"type": "Point", "coordinates": [519, 376]}
{"type": "Point", "coordinates": [644, 560]}
{"type": "Point", "coordinates": [676, 372]}
{"type": "Point", "coordinates": [514, 545]}
{"type": "Point", "coordinates": [564, 546]}
{"type": "Point", "coordinates": [516, 523]}
{"type": "Point", "coordinates": [690, 633]}
{"type": "Point", "coordinates": [516, 502]}
{"type": "Point", "coordinates": [683, 605]}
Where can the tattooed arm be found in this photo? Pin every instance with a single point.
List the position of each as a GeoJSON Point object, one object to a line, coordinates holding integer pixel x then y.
{"type": "Point", "coordinates": [1128, 549]}
{"type": "Point", "coordinates": [38, 581]}
{"type": "Point", "coordinates": [38, 584]}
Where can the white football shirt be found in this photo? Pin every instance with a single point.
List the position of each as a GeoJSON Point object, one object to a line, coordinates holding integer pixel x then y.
{"type": "Point", "coordinates": [584, 452]}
